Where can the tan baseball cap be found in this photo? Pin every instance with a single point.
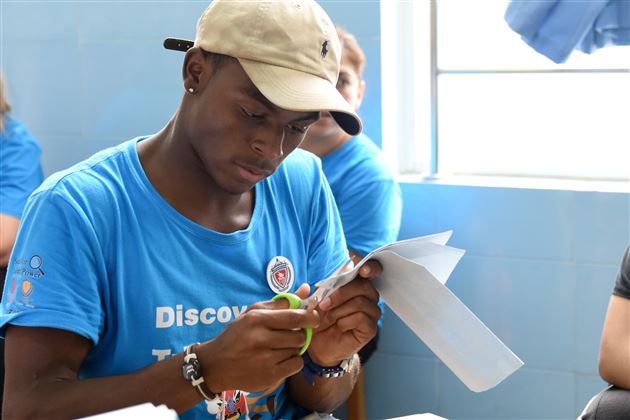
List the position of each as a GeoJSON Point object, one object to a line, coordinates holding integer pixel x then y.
{"type": "Point", "coordinates": [288, 48]}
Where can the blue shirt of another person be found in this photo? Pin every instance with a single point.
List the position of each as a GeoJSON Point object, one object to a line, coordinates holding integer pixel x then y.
{"type": "Point", "coordinates": [102, 254]}
{"type": "Point", "coordinates": [368, 197]}
{"type": "Point", "coordinates": [20, 169]}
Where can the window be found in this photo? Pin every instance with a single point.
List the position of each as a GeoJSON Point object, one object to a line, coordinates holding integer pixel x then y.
{"type": "Point", "coordinates": [464, 95]}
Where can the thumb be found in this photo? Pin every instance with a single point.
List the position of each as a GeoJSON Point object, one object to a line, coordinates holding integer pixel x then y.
{"type": "Point", "coordinates": [303, 291]}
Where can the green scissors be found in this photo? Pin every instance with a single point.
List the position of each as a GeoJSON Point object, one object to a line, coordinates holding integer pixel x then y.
{"type": "Point", "coordinates": [296, 303]}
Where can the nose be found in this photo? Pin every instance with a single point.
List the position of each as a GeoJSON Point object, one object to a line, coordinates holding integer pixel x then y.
{"type": "Point", "coordinates": [269, 144]}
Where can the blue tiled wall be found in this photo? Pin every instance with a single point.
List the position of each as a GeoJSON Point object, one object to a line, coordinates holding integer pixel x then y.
{"type": "Point", "coordinates": [538, 271]}
{"type": "Point", "coordinates": [85, 75]}
{"type": "Point", "coordinates": [539, 267]}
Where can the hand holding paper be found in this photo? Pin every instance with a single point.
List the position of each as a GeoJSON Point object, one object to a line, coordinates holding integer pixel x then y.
{"type": "Point", "coordinates": [412, 285]}
{"type": "Point", "coordinates": [349, 318]}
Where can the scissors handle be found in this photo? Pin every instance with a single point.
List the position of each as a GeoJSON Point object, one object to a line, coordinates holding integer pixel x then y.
{"type": "Point", "coordinates": [296, 303]}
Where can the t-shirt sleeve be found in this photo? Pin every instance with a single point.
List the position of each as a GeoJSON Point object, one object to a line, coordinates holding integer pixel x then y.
{"type": "Point", "coordinates": [371, 215]}
{"type": "Point", "coordinates": [20, 174]}
{"type": "Point", "coordinates": [53, 278]}
{"type": "Point", "coordinates": [622, 285]}
{"type": "Point", "coordinates": [327, 244]}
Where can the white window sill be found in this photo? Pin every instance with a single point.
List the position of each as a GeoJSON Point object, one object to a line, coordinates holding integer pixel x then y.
{"type": "Point", "coordinates": [519, 182]}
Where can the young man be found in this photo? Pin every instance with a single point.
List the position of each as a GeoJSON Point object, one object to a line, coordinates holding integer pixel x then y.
{"type": "Point", "coordinates": [146, 273]}
{"type": "Point", "coordinates": [368, 197]}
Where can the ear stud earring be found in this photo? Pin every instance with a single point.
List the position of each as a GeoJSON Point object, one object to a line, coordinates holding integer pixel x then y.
{"type": "Point", "coordinates": [191, 90]}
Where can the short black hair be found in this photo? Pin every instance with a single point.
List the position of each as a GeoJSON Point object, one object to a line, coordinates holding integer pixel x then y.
{"type": "Point", "coordinates": [218, 60]}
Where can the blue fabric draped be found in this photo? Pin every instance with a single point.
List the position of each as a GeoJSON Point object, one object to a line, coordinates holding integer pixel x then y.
{"type": "Point", "coordinates": [555, 28]}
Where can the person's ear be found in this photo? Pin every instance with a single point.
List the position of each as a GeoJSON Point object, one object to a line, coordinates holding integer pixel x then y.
{"type": "Point", "coordinates": [196, 70]}
{"type": "Point", "coordinates": [360, 94]}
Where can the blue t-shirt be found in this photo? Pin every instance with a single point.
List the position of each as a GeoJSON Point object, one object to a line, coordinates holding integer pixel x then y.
{"type": "Point", "coordinates": [368, 197]}
{"type": "Point", "coordinates": [102, 254]}
{"type": "Point", "coordinates": [20, 170]}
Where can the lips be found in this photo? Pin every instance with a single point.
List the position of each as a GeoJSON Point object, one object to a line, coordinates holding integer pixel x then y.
{"type": "Point", "coordinates": [251, 173]}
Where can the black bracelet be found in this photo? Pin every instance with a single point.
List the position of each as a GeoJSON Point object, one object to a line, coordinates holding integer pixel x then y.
{"type": "Point", "coordinates": [311, 368]}
{"type": "Point", "coordinates": [191, 370]}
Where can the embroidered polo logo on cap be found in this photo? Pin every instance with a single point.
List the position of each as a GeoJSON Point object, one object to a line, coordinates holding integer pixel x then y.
{"type": "Point", "coordinates": [324, 49]}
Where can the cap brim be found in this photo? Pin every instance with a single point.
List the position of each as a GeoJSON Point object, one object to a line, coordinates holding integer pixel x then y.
{"type": "Point", "coordinates": [299, 91]}
{"type": "Point", "coordinates": [177, 44]}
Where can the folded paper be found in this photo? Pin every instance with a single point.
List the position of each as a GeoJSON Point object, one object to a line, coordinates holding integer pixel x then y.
{"type": "Point", "coordinates": [412, 284]}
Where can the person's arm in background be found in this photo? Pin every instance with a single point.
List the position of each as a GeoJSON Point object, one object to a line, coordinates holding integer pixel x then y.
{"type": "Point", "coordinates": [614, 353]}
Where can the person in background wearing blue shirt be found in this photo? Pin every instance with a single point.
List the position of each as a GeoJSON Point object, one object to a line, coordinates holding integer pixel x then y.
{"type": "Point", "coordinates": [147, 272]}
{"type": "Point", "coordinates": [20, 174]}
{"type": "Point", "coordinates": [614, 354]}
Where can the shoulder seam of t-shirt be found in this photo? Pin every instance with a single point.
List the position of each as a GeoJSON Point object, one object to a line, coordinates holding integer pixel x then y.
{"type": "Point", "coordinates": [52, 194]}
{"type": "Point", "coordinates": [81, 167]}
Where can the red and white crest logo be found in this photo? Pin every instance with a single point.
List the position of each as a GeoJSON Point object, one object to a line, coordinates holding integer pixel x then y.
{"type": "Point", "coordinates": [280, 274]}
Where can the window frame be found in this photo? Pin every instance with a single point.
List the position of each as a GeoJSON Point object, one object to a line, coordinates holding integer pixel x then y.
{"type": "Point", "coordinates": [413, 26]}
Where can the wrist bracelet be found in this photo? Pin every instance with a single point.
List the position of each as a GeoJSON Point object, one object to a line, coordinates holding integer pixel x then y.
{"type": "Point", "coordinates": [311, 368]}
{"type": "Point", "coordinates": [191, 370]}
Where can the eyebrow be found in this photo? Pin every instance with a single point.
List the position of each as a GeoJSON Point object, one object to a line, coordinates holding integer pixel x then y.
{"type": "Point", "coordinates": [255, 94]}
{"type": "Point", "coordinates": [315, 115]}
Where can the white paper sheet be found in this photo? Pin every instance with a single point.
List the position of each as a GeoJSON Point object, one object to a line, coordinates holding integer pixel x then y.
{"type": "Point", "coordinates": [140, 411]}
{"type": "Point", "coordinates": [412, 285]}
{"type": "Point", "coordinates": [416, 248]}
